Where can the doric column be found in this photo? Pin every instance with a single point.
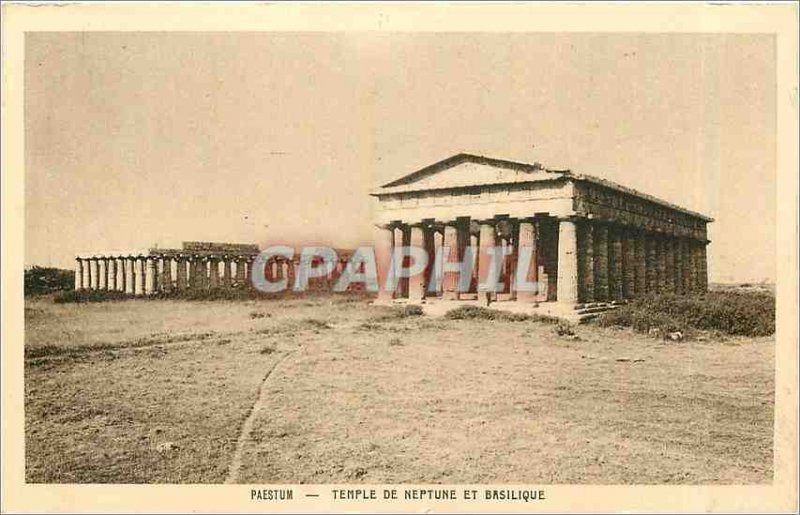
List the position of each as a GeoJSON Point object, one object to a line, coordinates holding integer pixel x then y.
{"type": "Point", "coordinates": [397, 241]}
{"type": "Point", "coordinates": [463, 237]}
{"type": "Point", "coordinates": [686, 251]}
{"type": "Point", "coordinates": [661, 265]}
{"type": "Point", "coordinates": [383, 239]}
{"type": "Point", "coordinates": [109, 275]}
{"type": "Point", "coordinates": [180, 273]}
{"type": "Point", "coordinates": [669, 266]}
{"type": "Point", "coordinates": [283, 269]}
{"type": "Point", "coordinates": [213, 272]}
{"type": "Point", "coordinates": [279, 267]}
{"type": "Point", "coordinates": [585, 261]}
{"type": "Point", "coordinates": [226, 271]}
{"type": "Point", "coordinates": [78, 274]}
{"type": "Point", "coordinates": [240, 278]}
{"type": "Point", "coordinates": [601, 290]}
{"type": "Point", "coordinates": [89, 274]}
{"type": "Point", "coordinates": [430, 249]}
{"type": "Point", "coordinates": [122, 270]}
{"type": "Point", "coordinates": [150, 276]}
{"type": "Point", "coordinates": [140, 276]}
{"type": "Point", "coordinates": [640, 257]}
{"type": "Point", "coordinates": [628, 264]}
{"type": "Point", "coordinates": [289, 270]}
{"type": "Point", "coordinates": [120, 274]}
{"type": "Point", "coordinates": [204, 273]}
{"type": "Point", "coordinates": [102, 274]}
{"type": "Point", "coordinates": [86, 274]}
{"type": "Point", "coordinates": [95, 271]}
{"type": "Point", "coordinates": [486, 242]}
{"type": "Point", "coordinates": [677, 251]}
{"type": "Point", "coordinates": [509, 261]}
{"type": "Point", "coordinates": [112, 274]}
{"type": "Point", "coordinates": [416, 283]}
{"type": "Point", "coordinates": [436, 242]}
{"type": "Point", "coordinates": [450, 279]}
{"type": "Point", "coordinates": [474, 243]}
{"type": "Point", "coordinates": [567, 289]}
{"type": "Point", "coordinates": [156, 275]}
{"type": "Point", "coordinates": [527, 239]}
{"type": "Point", "coordinates": [130, 275]}
{"type": "Point", "coordinates": [166, 274]}
{"type": "Point", "coordinates": [248, 271]}
{"type": "Point", "coordinates": [206, 269]}
{"type": "Point", "coordinates": [193, 282]}
{"type": "Point", "coordinates": [692, 265]}
{"type": "Point", "coordinates": [702, 267]}
{"type": "Point", "coordinates": [652, 265]}
{"type": "Point", "coordinates": [615, 279]}
{"type": "Point", "coordinates": [191, 273]}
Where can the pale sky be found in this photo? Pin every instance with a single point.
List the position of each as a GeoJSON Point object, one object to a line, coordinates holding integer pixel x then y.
{"type": "Point", "coordinates": [136, 139]}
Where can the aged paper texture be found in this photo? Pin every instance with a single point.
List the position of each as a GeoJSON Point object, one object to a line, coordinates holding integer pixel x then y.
{"type": "Point", "coordinates": [399, 257]}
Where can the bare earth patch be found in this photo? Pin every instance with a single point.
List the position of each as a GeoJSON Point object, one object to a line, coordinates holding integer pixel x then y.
{"type": "Point", "coordinates": [365, 396]}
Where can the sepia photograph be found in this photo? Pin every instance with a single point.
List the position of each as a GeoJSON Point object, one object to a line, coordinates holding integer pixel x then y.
{"type": "Point", "coordinates": [433, 266]}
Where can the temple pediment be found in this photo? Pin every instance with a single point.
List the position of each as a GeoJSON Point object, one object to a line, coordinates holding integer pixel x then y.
{"type": "Point", "coordinates": [465, 171]}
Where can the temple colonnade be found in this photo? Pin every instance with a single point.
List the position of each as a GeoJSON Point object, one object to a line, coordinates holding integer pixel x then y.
{"type": "Point", "coordinates": [151, 273]}
{"type": "Point", "coordinates": [572, 260]}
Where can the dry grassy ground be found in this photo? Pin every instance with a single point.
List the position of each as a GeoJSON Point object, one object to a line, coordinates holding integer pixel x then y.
{"type": "Point", "coordinates": [158, 391]}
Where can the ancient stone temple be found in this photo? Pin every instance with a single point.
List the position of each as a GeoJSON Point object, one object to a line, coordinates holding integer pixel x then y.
{"type": "Point", "coordinates": [593, 241]}
{"type": "Point", "coordinates": [196, 265]}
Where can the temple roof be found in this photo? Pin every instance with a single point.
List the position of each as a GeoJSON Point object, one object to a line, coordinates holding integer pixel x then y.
{"type": "Point", "coordinates": [470, 170]}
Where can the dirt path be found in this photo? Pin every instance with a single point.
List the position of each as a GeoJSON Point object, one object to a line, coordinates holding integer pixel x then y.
{"type": "Point", "coordinates": [247, 427]}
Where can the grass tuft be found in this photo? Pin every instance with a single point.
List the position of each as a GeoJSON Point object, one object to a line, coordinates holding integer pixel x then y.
{"type": "Point", "coordinates": [399, 313]}
{"type": "Point", "coordinates": [481, 313]}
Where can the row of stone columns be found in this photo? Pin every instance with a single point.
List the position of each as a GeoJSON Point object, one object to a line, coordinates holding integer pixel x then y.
{"type": "Point", "coordinates": [590, 261]}
{"type": "Point", "coordinates": [144, 275]}
{"type": "Point", "coordinates": [456, 236]}
{"type": "Point", "coordinates": [617, 263]}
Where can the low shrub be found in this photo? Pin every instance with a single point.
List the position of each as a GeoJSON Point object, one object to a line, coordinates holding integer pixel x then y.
{"type": "Point", "coordinates": [222, 293]}
{"type": "Point", "coordinates": [564, 328]}
{"type": "Point", "coordinates": [40, 280]}
{"type": "Point", "coordinates": [218, 293]}
{"type": "Point", "coordinates": [481, 313]}
{"type": "Point", "coordinates": [399, 313]}
{"type": "Point", "coordinates": [210, 294]}
{"type": "Point", "coordinates": [89, 296]}
{"type": "Point", "coordinates": [745, 313]}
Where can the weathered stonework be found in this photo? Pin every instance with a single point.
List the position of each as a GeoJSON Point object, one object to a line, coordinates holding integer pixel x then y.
{"type": "Point", "coordinates": [601, 263]}
{"type": "Point", "coordinates": [594, 241]}
{"type": "Point", "coordinates": [150, 271]}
